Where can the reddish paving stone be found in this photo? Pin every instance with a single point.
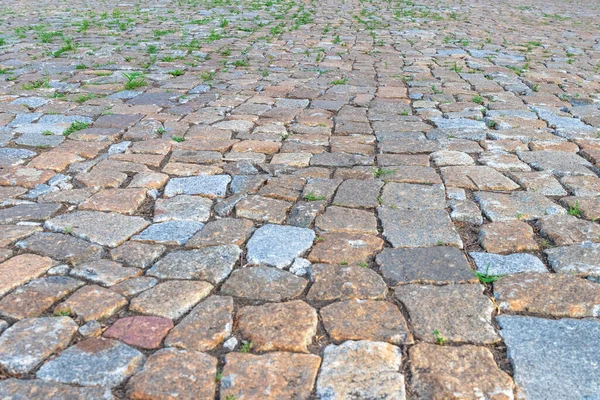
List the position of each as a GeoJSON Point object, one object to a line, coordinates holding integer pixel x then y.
{"type": "Point", "coordinates": [142, 331]}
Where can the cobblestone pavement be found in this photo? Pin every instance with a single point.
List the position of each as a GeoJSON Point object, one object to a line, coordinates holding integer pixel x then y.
{"type": "Point", "coordinates": [276, 199]}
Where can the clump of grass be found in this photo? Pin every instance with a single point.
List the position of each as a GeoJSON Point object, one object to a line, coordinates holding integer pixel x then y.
{"type": "Point", "coordinates": [486, 277]}
{"type": "Point", "coordinates": [439, 339]}
{"type": "Point", "coordinates": [575, 210]}
{"type": "Point", "coordinates": [339, 81]}
{"type": "Point", "coordinates": [134, 80]}
{"type": "Point", "coordinates": [246, 347]}
{"type": "Point", "coordinates": [74, 127]}
{"type": "Point", "coordinates": [313, 197]}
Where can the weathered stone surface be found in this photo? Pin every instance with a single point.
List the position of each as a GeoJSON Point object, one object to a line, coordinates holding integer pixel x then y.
{"type": "Point", "coordinates": [140, 331]}
{"type": "Point", "coordinates": [222, 232]}
{"type": "Point", "coordinates": [369, 192]}
{"type": "Point", "coordinates": [278, 245]}
{"type": "Point", "coordinates": [61, 247]}
{"type": "Point", "coordinates": [182, 208]}
{"type": "Point", "coordinates": [205, 327]}
{"type": "Point", "coordinates": [21, 269]}
{"type": "Point", "coordinates": [363, 369]}
{"type": "Point", "coordinates": [559, 163]}
{"type": "Point", "coordinates": [564, 230]}
{"type": "Point", "coordinates": [212, 264]}
{"type": "Point", "coordinates": [460, 313]}
{"type": "Point", "coordinates": [92, 303]}
{"type": "Point", "coordinates": [172, 373]}
{"type": "Point", "coordinates": [12, 233]}
{"type": "Point", "coordinates": [262, 209]}
{"type": "Point", "coordinates": [476, 178]}
{"type": "Point", "coordinates": [134, 286]}
{"type": "Point", "coordinates": [580, 259]}
{"type": "Point", "coordinates": [287, 326]}
{"type": "Point", "coordinates": [270, 376]}
{"type": "Point", "coordinates": [517, 205]}
{"type": "Point", "coordinates": [124, 201]}
{"type": "Point", "coordinates": [431, 228]}
{"type": "Point", "coordinates": [170, 299]}
{"type": "Point", "coordinates": [438, 264]}
{"type": "Point", "coordinates": [365, 320]}
{"type": "Point", "coordinates": [137, 254]}
{"type": "Point", "coordinates": [32, 299]}
{"type": "Point", "coordinates": [28, 212]}
{"type": "Point", "coordinates": [344, 248]}
{"type": "Point", "coordinates": [548, 295]}
{"type": "Point", "coordinates": [28, 389]}
{"type": "Point", "coordinates": [93, 362]}
{"type": "Point", "coordinates": [106, 229]}
{"type": "Point", "coordinates": [210, 186]}
{"type": "Point", "coordinates": [416, 197]}
{"type": "Point", "coordinates": [29, 342]}
{"type": "Point", "coordinates": [534, 346]}
{"type": "Point", "coordinates": [587, 206]}
{"type": "Point", "coordinates": [465, 372]}
{"type": "Point", "coordinates": [343, 283]}
{"type": "Point", "coordinates": [263, 283]}
{"type": "Point", "coordinates": [507, 237]}
{"type": "Point", "coordinates": [341, 219]}
{"type": "Point", "coordinates": [104, 272]}
{"type": "Point", "coordinates": [496, 264]}
{"type": "Point", "coordinates": [175, 233]}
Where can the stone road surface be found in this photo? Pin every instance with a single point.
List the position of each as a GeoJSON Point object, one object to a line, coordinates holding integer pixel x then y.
{"type": "Point", "coordinates": [285, 199]}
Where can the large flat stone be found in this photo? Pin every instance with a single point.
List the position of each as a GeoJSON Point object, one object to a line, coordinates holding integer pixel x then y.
{"type": "Point", "coordinates": [204, 185]}
{"type": "Point", "coordinates": [517, 205]}
{"type": "Point", "coordinates": [61, 247]}
{"type": "Point", "coordinates": [580, 259]}
{"type": "Point", "coordinates": [553, 356]}
{"type": "Point", "coordinates": [264, 284]}
{"type": "Point", "coordinates": [278, 245]}
{"type": "Point", "coordinates": [21, 269]}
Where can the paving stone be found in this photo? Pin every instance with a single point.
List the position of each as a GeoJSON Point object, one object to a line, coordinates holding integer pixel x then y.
{"type": "Point", "coordinates": [446, 158]}
{"type": "Point", "coordinates": [175, 233]}
{"type": "Point", "coordinates": [93, 362]}
{"type": "Point", "coordinates": [417, 197]}
{"type": "Point", "coordinates": [558, 163]}
{"type": "Point", "coordinates": [172, 373]}
{"type": "Point", "coordinates": [278, 245]}
{"type": "Point", "coordinates": [496, 264]}
{"type": "Point", "coordinates": [543, 183]}
{"type": "Point", "coordinates": [344, 248]}
{"type": "Point", "coordinates": [264, 284]}
{"type": "Point", "coordinates": [457, 372]}
{"type": "Point", "coordinates": [212, 264]}
{"type": "Point", "coordinates": [438, 265]}
{"type": "Point", "coordinates": [28, 212]}
{"type": "Point", "coordinates": [222, 232]}
{"type": "Point", "coordinates": [11, 234]}
{"type": "Point", "coordinates": [288, 326]}
{"type": "Point", "coordinates": [431, 228]}
{"type": "Point", "coordinates": [170, 299]}
{"type": "Point", "coordinates": [460, 313]}
{"type": "Point", "coordinates": [507, 237]}
{"type": "Point", "coordinates": [182, 208]}
{"type": "Point", "coordinates": [21, 269]}
{"type": "Point", "coordinates": [29, 342]}
{"type": "Point", "coordinates": [524, 206]}
{"type": "Point", "coordinates": [140, 331]}
{"type": "Point", "coordinates": [476, 178]}
{"type": "Point", "coordinates": [91, 303]}
{"type": "Point", "coordinates": [210, 186]}
{"type": "Point", "coordinates": [304, 213]}
{"type": "Point", "coordinates": [588, 206]}
{"type": "Point", "coordinates": [579, 259]}
{"type": "Point", "coordinates": [548, 295]}
{"type": "Point", "coordinates": [345, 282]}
{"type": "Point", "coordinates": [205, 327]}
{"type": "Point", "coordinates": [136, 254]}
{"type": "Point", "coordinates": [263, 209]}
{"type": "Point", "coordinates": [341, 219]}
{"type": "Point", "coordinates": [270, 376]}
{"type": "Point", "coordinates": [564, 230]}
{"type": "Point", "coordinates": [61, 247]}
{"type": "Point", "coordinates": [104, 272]}
{"type": "Point", "coordinates": [534, 345]}
{"type": "Point", "coordinates": [106, 229]}
{"type": "Point", "coordinates": [346, 194]}
{"type": "Point", "coordinates": [365, 320]}
{"type": "Point", "coordinates": [124, 201]}
{"type": "Point", "coordinates": [582, 185]}
{"type": "Point", "coordinates": [361, 369]}
{"type": "Point", "coordinates": [134, 286]}
{"type": "Point", "coordinates": [32, 299]}
{"type": "Point", "coordinates": [28, 389]}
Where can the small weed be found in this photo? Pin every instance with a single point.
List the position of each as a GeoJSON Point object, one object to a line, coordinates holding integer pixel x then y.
{"type": "Point", "coordinates": [176, 72]}
{"type": "Point", "coordinates": [178, 139]}
{"type": "Point", "coordinates": [486, 277]}
{"type": "Point", "coordinates": [74, 127]}
{"type": "Point", "coordinates": [439, 339]}
{"type": "Point", "coordinates": [62, 312]}
{"type": "Point", "coordinates": [363, 264]}
{"type": "Point", "coordinates": [81, 66]}
{"type": "Point", "coordinates": [575, 210]}
{"type": "Point", "coordinates": [344, 262]}
{"type": "Point", "coordinates": [47, 133]}
{"type": "Point", "coordinates": [207, 75]}
{"type": "Point", "coordinates": [535, 87]}
{"type": "Point", "coordinates": [134, 80]}
{"type": "Point", "coordinates": [313, 197]}
{"type": "Point", "coordinates": [219, 376]}
{"type": "Point", "coordinates": [152, 49]}
{"type": "Point", "coordinates": [379, 172]}
{"type": "Point", "coordinates": [477, 99]}
{"type": "Point", "coordinates": [339, 81]}
{"type": "Point", "coordinates": [246, 347]}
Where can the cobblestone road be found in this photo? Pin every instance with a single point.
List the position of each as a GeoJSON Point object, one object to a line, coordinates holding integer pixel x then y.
{"type": "Point", "coordinates": [276, 199]}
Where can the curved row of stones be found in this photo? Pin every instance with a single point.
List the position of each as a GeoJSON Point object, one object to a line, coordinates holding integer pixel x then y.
{"type": "Point", "coordinates": [289, 200]}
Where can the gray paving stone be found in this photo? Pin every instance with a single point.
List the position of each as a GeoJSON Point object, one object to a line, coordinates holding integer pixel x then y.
{"type": "Point", "coordinates": [28, 212]}
{"type": "Point", "coordinates": [534, 346]}
{"type": "Point", "coordinates": [580, 259]}
{"type": "Point", "coordinates": [263, 283]}
{"type": "Point", "coordinates": [278, 245]}
{"type": "Point", "coordinates": [61, 247]}
{"type": "Point", "coordinates": [93, 362]}
{"type": "Point", "coordinates": [406, 196]}
{"type": "Point", "coordinates": [175, 233]}
{"type": "Point", "coordinates": [496, 264]}
{"type": "Point", "coordinates": [182, 208]}
{"type": "Point", "coordinates": [516, 206]}
{"type": "Point", "coordinates": [205, 185]}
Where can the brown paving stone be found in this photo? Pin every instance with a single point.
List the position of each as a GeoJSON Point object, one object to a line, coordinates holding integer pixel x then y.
{"type": "Point", "coordinates": [172, 373]}
{"type": "Point", "coordinates": [270, 376]}
{"type": "Point", "coordinates": [344, 248]}
{"type": "Point", "coordinates": [564, 230]}
{"type": "Point", "coordinates": [222, 232]}
{"type": "Point", "coordinates": [365, 320]}
{"type": "Point", "coordinates": [205, 327]}
{"type": "Point", "coordinates": [288, 326]}
{"type": "Point", "coordinates": [146, 332]}
{"type": "Point", "coordinates": [125, 201]}
{"type": "Point", "coordinates": [548, 295]}
{"type": "Point", "coordinates": [12, 233]}
{"type": "Point", "coordinates": [263, 283]}
{"type": "Point", "coordinates": [507, 237]}
{"type": "Point", "coordinates": [91, 303]}
{"type": "Point", "coordinates": [21, 269]}
{"type": "Point", "coordinates": [465, 372]}
{"type": "Point", "coordinates": [333, 282]}
{"type": "Point", "coordinates": [263, 209]}
{"type": "Point", "coordinates": [348, 220]}
{"type": "Point", "coordinates": [141, 255]}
